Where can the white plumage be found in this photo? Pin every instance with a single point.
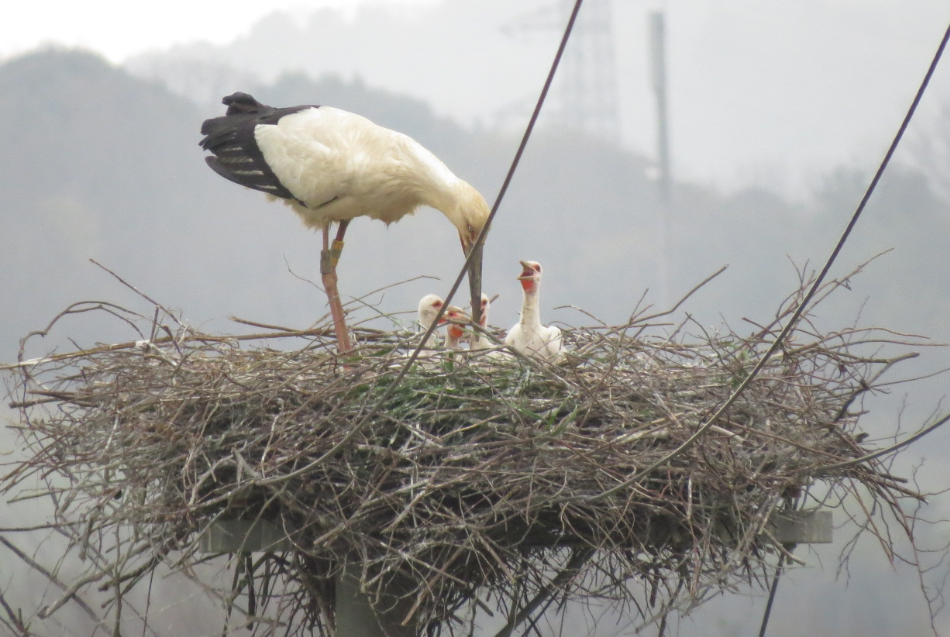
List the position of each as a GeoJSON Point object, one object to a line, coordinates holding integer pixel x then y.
{"type": "Point", "coordinates": [332, 166]}
{"type": "Point", "coordinates": [340, 166]}
{"type": "Point", "coordinates": [528, 336]}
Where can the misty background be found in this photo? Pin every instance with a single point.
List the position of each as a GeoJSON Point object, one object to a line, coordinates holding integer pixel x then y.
{"type": "Point", "coordinates": [778, 115]}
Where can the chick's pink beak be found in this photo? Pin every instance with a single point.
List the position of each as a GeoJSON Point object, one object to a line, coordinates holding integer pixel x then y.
{"type": "Point", "coordinates": [527, 271]}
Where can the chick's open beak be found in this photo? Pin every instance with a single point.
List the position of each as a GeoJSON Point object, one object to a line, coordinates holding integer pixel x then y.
{"type": "Point", "coordinates": [527, 271]}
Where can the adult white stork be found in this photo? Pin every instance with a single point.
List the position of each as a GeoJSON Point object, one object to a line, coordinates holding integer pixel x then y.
{"type": "Point", "coordinates": [528, 335]}
{"type": "Point", "coordinates": [332, 166]}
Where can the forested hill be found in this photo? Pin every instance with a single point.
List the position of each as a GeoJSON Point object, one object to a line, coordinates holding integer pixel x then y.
{"type": "Point", "coordinates": [96, 164]}
{"type": "Point", "coordinates": [99, 164]}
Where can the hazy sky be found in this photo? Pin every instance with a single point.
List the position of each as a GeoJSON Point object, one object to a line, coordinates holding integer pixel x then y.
{"type": "Point", "coordinates": [765, 92]}
{"type": "Point", "coordinates": [761, 90]}
{"type": "Point", "coordinates": [119, 28]}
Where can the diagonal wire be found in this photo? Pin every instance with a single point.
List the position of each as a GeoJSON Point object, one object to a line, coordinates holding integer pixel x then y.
{"type": "Point", "coordinates": [768, 606]}
{"type": "Point", "coordinates": [511, 170]}
{"type": "Point", "coordinates": [475, 247]}
{"type": "Point", "coordinates": [793, 320]}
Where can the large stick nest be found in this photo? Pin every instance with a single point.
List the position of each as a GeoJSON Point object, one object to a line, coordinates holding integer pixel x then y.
{"type": "Point", "coordinates": [492, 482]}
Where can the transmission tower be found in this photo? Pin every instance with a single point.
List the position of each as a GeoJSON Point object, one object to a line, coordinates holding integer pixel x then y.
{"type": "Point", "coordinates": [586, 84]}
{"type": "Point", "coordinates": [588, 76]}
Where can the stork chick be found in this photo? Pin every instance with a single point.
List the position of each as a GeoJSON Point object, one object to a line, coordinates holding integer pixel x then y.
{"type": "Point", "coordinates": [479, 340]}
{"type": "Point", "coordinates": [330, 166]}
{"type": "Point", "coordinates": [429, 307]}
{"type": "Point", "coordinates": [454, 333]}
{"type": "Point", "coordinates": [529, 336]}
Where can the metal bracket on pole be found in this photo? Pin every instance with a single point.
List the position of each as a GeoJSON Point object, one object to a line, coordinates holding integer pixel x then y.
{"type": "Point", "coordinates": [232, 536]}
{"type": "Point", "coordinates": [244, 536]}
{"type": "Point", "coordinates": [802, 527]}
{"type": "Point", "coordinates": [356, 617]}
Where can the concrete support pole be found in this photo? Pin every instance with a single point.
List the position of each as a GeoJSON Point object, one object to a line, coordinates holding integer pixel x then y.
{"type": "Point", "coordinates": [658, 76]}
{"type": "Point", "coordinates": [355, 616]}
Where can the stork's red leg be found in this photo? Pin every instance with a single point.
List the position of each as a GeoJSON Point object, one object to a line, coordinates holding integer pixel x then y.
{"type": "Point", "coordinates": [328, 260]}
{"type": "Point", "coordinates": [338, 243]}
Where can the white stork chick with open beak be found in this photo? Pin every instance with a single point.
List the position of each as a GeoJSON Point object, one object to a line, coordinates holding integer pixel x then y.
{"type": "Point", "coordinates": [332, 166]}
{"type": "Point", "coordinates": [454, 332]}
{"type": "Point", "coordinates": [429, 307]}
{"type": "Point", "coordinates": [529, 336]}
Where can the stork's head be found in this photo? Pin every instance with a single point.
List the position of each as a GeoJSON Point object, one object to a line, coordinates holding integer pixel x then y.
{"type": "Point", "coordinates": [470, 214]}
{"type": "Point", "coordinates": [455, 315]}
{"type": "Point", "coordinates": [429, 307]}
{"type": "Point", "coordinates": [530, 276]}
{"type": "Point", "coordinates": [456, 318]}
{"type": "Point", "coordinates": [485, 304]}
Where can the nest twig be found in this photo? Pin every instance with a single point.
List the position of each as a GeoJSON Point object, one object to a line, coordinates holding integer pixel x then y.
{"type": "Point", "coordinates": [492, 481]}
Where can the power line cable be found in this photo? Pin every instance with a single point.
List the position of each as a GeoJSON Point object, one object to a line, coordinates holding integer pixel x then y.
{"type": "Point", "coordinates": [798, 312]}
{"type": "Point", "coordinates": [768, 606]}
{"type": "Point", "coordinates": [796, 315]}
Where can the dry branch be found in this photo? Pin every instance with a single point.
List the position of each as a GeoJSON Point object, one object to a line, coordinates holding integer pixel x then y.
{"type": "Point", "coordinates": [475, 481]}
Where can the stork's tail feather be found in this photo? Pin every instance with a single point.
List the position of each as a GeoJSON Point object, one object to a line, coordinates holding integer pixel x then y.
{"type": "Point", "coordinates": [241, 107]}
{"type": "Point", "coordinates": [231, 138]}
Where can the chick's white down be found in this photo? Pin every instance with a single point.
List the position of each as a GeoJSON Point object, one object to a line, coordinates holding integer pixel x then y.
{"type": "Point", "coordinates": [429, 307]}
{"type": "Point", "coordinates": [528, 336]}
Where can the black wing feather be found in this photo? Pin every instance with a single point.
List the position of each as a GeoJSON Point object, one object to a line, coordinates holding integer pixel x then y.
{"type": "Point", "coordinates": [231, 140]}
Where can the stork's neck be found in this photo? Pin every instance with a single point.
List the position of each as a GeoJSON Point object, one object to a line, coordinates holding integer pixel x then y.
{"type": "Point", "coordinates": [436, 184]}
{"type": "Point", "coordinates": [454, 336]}
{"type": "Point", "coordinates": [450, 198]}
{"type": "Point", "coordinates": [438, 187]}
{"type": "Point", "coordinates": [530, 314]}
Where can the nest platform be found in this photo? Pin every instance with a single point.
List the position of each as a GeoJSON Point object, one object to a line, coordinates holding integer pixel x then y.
{"type": "Point", "coordinates": [477, 481]}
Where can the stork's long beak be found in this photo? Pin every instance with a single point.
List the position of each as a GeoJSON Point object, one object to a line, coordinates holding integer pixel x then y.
{"type": "Point", "coordinates": [475, 283]}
